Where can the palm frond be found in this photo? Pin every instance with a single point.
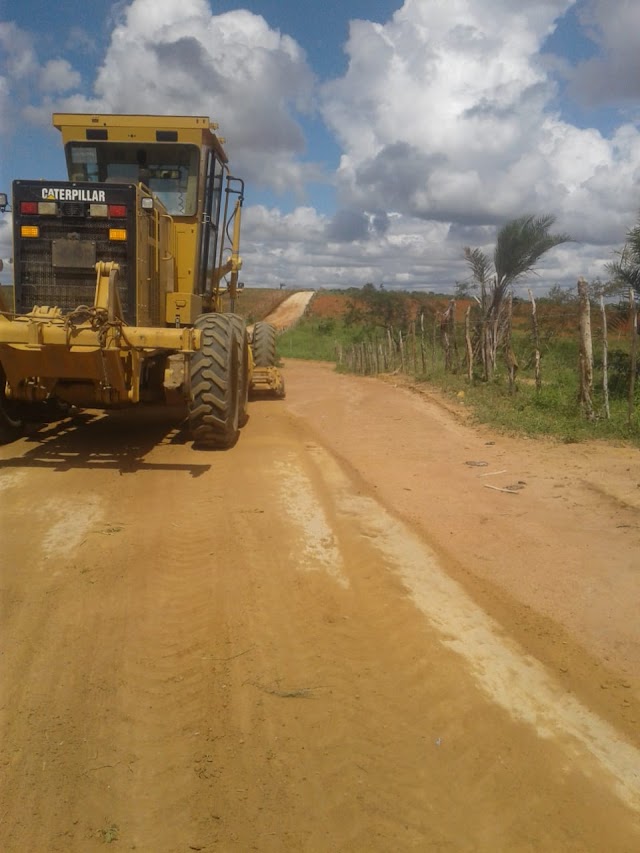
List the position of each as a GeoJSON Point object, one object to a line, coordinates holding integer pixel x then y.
{"type": "Point", "coordinates": [520, 244]}
{"type": "Point", "coordinates": [625, 272]}
{"type": "Point", "coordinates": [479, 264]}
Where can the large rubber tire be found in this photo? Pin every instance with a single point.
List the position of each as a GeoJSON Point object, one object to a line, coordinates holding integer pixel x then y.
{"type": "Point", "coordinates": [214, 385]}
{"type": "Point", "coordinates": [11, 424]}
{"type": "Point", "coordinates": [264, 345]}
{"type": "Point", "coordinates": [242, 335]}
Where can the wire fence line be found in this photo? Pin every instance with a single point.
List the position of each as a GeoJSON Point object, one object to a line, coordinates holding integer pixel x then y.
{"type": "Point", "coordinates": [448, 341]}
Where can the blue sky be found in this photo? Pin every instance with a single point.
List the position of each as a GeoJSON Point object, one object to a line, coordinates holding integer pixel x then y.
{"type": "Point", "coordinates": [377, 137]}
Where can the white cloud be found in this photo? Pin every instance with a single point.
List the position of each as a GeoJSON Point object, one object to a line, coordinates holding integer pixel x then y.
{"type": "Point", "coordinates": [6, 111]}
{"type": "Point", "coordinates": [444, 113]}
{"type": "Point", "coordinates": [298, 249]}
{"type": "Point", "coordinates": [57, 75]}
{"type": "Point", "coordinates": [19, 55]}
{"type": "Point", "coordinates": [614, 74]}
{"type": "Point", "coordinates": [24, 74]}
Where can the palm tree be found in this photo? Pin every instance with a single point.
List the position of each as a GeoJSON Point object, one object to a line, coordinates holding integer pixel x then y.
{"type": "Point", "coordinates": [519, 246]}
{"type": "Point", "coordinates": [625, 272]}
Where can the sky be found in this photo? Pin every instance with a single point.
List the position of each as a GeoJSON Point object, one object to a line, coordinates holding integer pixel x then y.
{"type": "Point", "coordinates": [377, 138]}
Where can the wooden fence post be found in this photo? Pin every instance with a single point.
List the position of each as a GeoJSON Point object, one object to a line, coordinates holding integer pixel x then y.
{"type": "Point", "coordinates": [510, 356]}
{"type": "Point", "coordinates": [605, 359]}
{"type": "Point", "coordinates": [586, 351]}
{"type": "Point", "coordinates": [434, 339]}
{"type": "Point", "coordinates": [452, 335]}
{"type": "Point", "coordinates": [634, 352]}
{"type": "Point", "coordinates": [536, 341]}
{"type": "Point", "coordinates": [392, 361]}
{"type": "Point", "coordinates": [467, 338]}
{"type": "Point", "coordinates": [414, 349]}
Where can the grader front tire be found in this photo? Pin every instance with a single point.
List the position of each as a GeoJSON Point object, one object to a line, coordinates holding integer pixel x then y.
{"type": "Point", "coordinates": [264, 345]}
{"type": "Point", "coordinates": [214, 397]}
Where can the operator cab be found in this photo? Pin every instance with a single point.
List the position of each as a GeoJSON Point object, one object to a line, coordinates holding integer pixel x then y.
{"type": "Point", "coordinates": [179, 160]}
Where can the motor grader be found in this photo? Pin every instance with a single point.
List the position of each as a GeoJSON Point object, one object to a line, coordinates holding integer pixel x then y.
{"type": "Point", "coordinates": [120, 276]}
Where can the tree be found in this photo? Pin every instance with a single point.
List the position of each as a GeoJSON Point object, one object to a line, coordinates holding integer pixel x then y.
{"type": "Point", "coordinates": [378, 308]}
{"type": "Point", "coordinates": [519, 246]}
{"type": "Point", "coordinates": [625, 272]}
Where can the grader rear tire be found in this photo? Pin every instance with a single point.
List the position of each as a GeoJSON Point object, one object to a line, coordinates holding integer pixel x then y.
{"type": "Point", "coordinates": [264, 345]}
{"type": "Point", "coordinates": [11, 425]}
{"type": "Point", "coordinates": [214, 396]}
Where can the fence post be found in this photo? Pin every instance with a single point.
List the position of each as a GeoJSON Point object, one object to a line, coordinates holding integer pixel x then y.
{"type": "Point", "coordinates": [586, 351]}
{"type": "Point", "coordinates": [434, 339]}
{"type": "Point", "coordinates": [536, 340]}
{"type": "Point", "coordinates": [634, 352]}
{"type": "Point", "coordinates": [605, 359]}
{"type": "Point", "coordinates": [510, 356]}
{"type": "Point", "coordinates": [467, 338]}
{"type": "Point", "coordinates": [414, 349]}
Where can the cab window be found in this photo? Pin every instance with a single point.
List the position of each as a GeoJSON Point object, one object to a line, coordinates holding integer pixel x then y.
{"type": "Point", "coordinates": [169, 170]}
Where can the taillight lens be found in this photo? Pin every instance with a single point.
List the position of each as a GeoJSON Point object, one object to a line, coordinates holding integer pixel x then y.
{"type": "Point", "coordinates": [29, 231]}
{"type": "Point", "coordinates": [44, 208]}
{"type": "Point", "coordinates": [117, 234]}
{"type": "Point", "coordinates": [117, 211]}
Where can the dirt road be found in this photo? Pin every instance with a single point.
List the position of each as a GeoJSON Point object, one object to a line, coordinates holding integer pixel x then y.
{"type": "Point", "coordinates": [332, 637]}
{"type": "Point", "coordinates": [290, 311]}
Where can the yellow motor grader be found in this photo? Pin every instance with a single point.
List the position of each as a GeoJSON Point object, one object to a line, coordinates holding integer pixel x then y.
{"type": "Point", "coordinates": [120, 274]}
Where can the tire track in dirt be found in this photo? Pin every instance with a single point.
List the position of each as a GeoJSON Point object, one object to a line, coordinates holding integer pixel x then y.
{"type": "Point", "coordinates": [42, 629]}
{"type": "Point", "coordinates": [164, 717]}
{"type": "Point", "coordinates": [465, 631]}
{"type": "Point", "coordinates": [509, 678]}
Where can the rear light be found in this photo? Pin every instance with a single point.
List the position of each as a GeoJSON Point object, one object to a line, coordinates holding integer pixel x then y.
{"type": "Point", "coordinates": [117, 211]}
{"type": "Point", "coordinates": [117, 234]}
{"type": "Point", "coordinates": [45, 208]}
{"type": "Point", "coordinates": [29, 231]}
{"type": "Point", "coordinates": [99, 210]}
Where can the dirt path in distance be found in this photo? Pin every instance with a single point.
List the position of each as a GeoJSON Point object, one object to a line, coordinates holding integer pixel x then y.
{"type": "Point", "coordinates": [290, 311]}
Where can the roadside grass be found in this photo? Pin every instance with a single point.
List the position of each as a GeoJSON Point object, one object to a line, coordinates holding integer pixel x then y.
{"type": "Point", "coordinates": [554, 410]}
{"type": "Point", "coordinates": [317, 339]}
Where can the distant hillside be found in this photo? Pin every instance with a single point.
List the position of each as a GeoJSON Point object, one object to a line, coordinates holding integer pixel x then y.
{"type": "Point", "coordinates": [254, 303]}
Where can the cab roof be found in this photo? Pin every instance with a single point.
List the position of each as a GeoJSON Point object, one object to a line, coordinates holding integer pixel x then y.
{"type": "Point", "coordinates": [197, 130]}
